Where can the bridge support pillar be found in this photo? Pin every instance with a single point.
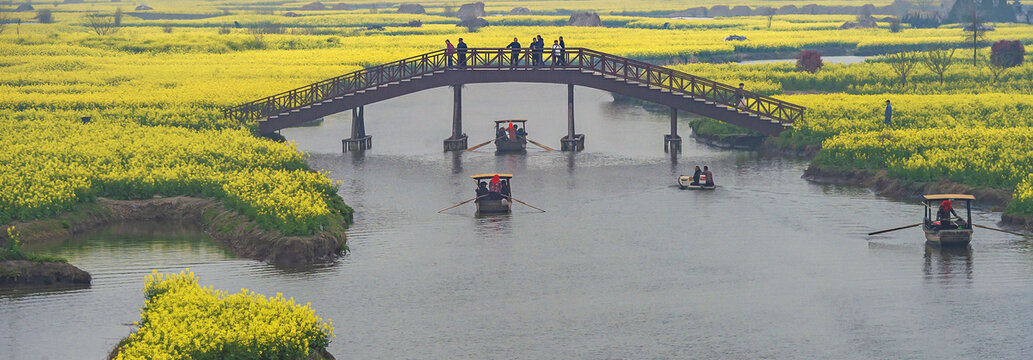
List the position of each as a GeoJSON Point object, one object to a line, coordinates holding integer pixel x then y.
{"type": "Point", "coordinates": [359, 141]}
{"type": "Point", "coordinates": [672, 142]}
{"type": "Point", "coordinates": [573, 141]}
{"type": "Point", "coordinates": [458, 140]}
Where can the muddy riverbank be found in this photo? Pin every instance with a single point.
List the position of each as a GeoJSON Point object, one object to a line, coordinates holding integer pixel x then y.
{"type": "Point", "coordinates": [27, 273]}
{"type": "Point", "coordinates": [241, 235]}
{"type": "Point", "coordinates": [898, 189]}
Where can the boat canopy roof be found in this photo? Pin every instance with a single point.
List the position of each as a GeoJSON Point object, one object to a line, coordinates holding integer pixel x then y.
{"type": "Point", "coordinates": [489, 176]}
{"type": "Point", "coordinates": [948, 196]}
{"type": "Point", "coordinates": [506, 121]}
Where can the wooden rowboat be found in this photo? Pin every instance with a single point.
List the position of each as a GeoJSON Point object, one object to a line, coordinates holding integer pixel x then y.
{"type": "Point", "coordinates": [953, 233]}
{"type": "Point", "coordinates": [491, 206]}
{"type": "Point", "coordinates": [685, 183]}
{"type": "Point", "coordinates": [507, 145]}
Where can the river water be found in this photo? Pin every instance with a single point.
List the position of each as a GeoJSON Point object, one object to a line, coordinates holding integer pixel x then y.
{"type": "Point", "coordinates": [622, 264]}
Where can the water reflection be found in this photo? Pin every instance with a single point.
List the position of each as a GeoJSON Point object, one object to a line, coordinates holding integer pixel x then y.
{"type": "Point", "coordinates": [947, 264]}
{"type": "Point", "coordinates": [491, 226]}
{"type": "Point", "coordinates": [457, 161]}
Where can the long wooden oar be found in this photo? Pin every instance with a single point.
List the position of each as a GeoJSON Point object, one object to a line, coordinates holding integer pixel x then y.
{"type": "Point", "coordinates": [514, 199]}
{"type": "Point", "coordinates": [464, 202]}
{"type": "Point", "coordinates": [996, 229]}
{"type": "Point", "coordinates": [482, 144]}
{"type": "Point", "coordinates": [540, 145]}
{"type": "Point", "coordinates": [893, 229]}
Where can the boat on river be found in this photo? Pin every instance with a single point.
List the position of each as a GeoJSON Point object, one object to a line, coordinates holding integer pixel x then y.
{"type": "Point", "coordinates": [947, 232]}
{"type": "Point", "coordinates": [507, 144]}
{"type": "Point", "coordinates": [685, 183]}
{"type": "Point", "coordinates": [493, 204]}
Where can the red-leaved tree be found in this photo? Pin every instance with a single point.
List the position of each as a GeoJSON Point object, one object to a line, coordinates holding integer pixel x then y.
{"type": "Point", "coordinates": [1007, 53]}
{"type": "Point", "coordinates": [809, 61]}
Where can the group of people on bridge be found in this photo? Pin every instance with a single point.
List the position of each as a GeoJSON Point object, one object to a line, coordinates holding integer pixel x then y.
{"type": "Point", "coordinates": [702, 177]}
{"type": "Point", "coordinates": [456, 54]}
{"type": "Point", "coordinates": [495, 189]}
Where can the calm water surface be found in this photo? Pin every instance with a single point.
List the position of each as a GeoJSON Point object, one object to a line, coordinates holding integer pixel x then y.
{"type": "Point", "coordinates": [623, 264]}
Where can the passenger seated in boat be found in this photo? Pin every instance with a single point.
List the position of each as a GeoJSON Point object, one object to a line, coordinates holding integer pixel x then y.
{"type": "Point", "coordinates": [943, 215]}
{"type": "Point", "coordinates": [695, 176]}
{"type": "Point", "coordinates": [707, 178]}
{"type": "Point", "coordinates": [495, 188]}
{"type": "Point", "coordinates": [482, 190]}
{"type": "Point", "coordinates": [520, 133]}
{"type": "Point", "coordinates": [512, 132]}
{"type": "Point", "coordinates": [500, 134]}
{"type": "Point", "coordinates": [504, 189]}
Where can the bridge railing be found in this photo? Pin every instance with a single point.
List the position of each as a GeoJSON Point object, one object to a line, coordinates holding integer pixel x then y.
{"type": "Point", "coordinates": [504, 59]}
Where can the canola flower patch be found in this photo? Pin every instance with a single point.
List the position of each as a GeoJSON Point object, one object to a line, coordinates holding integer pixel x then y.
{"type": "Point", "coordinates": [183, 320]}
{"type": "Point", "coordinates": [49, 168]}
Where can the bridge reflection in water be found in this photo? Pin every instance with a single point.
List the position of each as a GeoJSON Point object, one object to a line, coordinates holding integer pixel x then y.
{"type": "Point", "coordinates": [574, 66]}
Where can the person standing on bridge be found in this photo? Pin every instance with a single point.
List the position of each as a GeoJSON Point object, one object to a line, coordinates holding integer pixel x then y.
{"type": "Point", "coordinates": [740, 96]}
{"type": "Point", "coordinates": [539, 50]}
{"type": "Point", "coordinates": [450, 52]}
{"type": "Point", "coordinates": [889, 114]}
{"type": "Point", "coordinates": [461, 49]}
{"type": "Point", "coordinates": [563, 51]}
{"type": "Point", "coordinates": [557, 53]}
{"type": "Point", "coordinates": [515, 45]}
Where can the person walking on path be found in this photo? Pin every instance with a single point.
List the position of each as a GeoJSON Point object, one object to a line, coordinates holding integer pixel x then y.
{"type": "Point", "coordinates": [889, 114]}
{"type": "Point", "coordinates": [515, 45]}
{"type": "Point", "coordinates": [450, 52]}
{"type": "Point", "coordinates": [557, 53]}
{"type": "Point", "coordinates": [461, 49]}
{"type": "Point", "coordinates": [740, 96]}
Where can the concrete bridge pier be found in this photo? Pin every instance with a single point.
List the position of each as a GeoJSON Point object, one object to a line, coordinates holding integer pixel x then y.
{"type": "Point", "coordinates": [458, 140]}
{"type": "Point", "coordinates": [359, 141]}
{"type": "Point", "coordinates": [573, 141]}
{"type": "Point", "coordinates": [672, 142]}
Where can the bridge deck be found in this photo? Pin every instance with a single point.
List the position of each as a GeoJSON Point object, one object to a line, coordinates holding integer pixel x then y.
{"type": "Point", "coordinates": [578, 66]}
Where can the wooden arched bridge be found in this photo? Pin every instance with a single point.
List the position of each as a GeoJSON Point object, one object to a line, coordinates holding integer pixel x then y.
{"type": "Point", "coordinates": [576, 66]}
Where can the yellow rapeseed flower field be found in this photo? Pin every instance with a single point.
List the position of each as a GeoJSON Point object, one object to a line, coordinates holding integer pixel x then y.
{"type": "Point", "coordinates": [183, 320]}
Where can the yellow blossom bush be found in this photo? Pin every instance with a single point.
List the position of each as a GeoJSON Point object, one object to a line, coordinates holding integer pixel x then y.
{"type": "Point", "coordinates": [183, 320]}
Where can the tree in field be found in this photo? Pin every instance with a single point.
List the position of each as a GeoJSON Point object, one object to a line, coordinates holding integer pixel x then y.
{"type": "Point", "coordinates": [101, 24]}
{"type": "Point", "coordinates": [770, 13]}
{"type": "Point", "coordinates": [44, 16]}
{"type": "Point", "coordinates": [975, 30]}
{"type": "Point", "coordinates": [903, 64]}
{"type": "Point", "coordinates": [809, 61]}
{"type": "Point", "coordinates": [3, 21]}
{"type": "Point", "coordinates": [1007, 53]}
{"type": "Point", "coordinates": [939, 61]}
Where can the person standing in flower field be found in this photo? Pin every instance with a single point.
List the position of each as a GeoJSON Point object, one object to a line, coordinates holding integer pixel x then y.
{"type": "Point", "coordinates": [449, 51]}
{"type": "Point", "coordinates": [889, 114]}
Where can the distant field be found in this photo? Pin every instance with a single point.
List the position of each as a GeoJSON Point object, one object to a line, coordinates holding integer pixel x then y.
{"type": "Point", "coordinates": [442, 6]}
